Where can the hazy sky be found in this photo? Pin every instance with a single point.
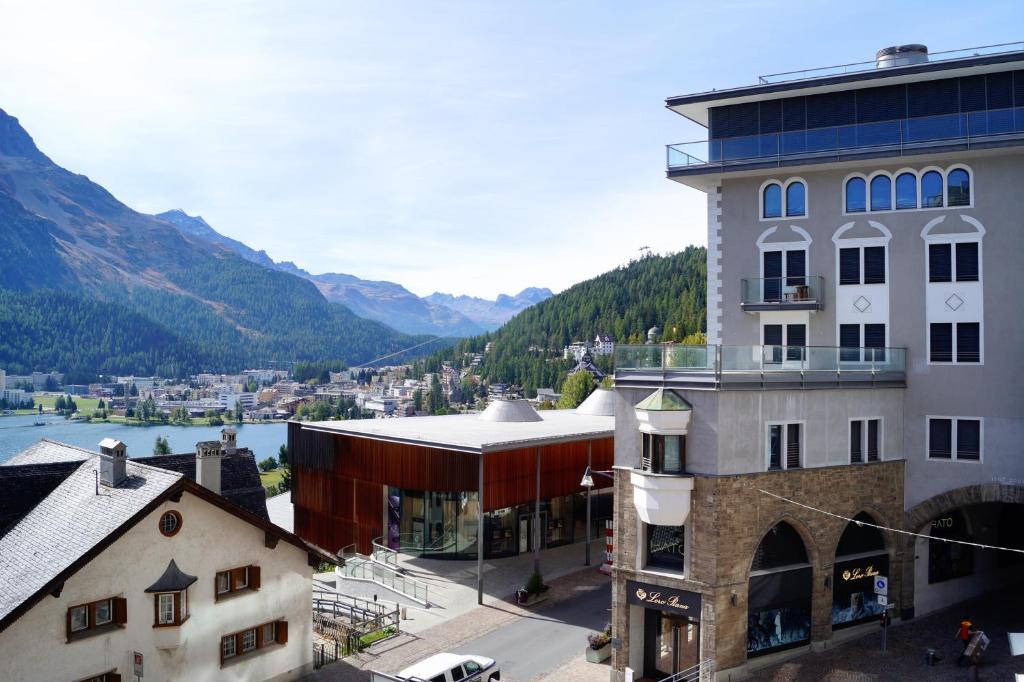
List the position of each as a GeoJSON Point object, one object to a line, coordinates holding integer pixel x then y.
{"type": "Point", "coordinates": [474, 147]}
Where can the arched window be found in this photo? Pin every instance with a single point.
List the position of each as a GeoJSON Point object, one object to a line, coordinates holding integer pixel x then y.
{"type": "Point", "coordinates": [958, 188]}
{"type": "Point", "coordinates": [860, 557]}
{"type": "Point", "coordinates": [772, 201]}
{"type": "Point", "coordinates": [796, 199]}
{"type": "Point", "coordinates": [881, 193]}
{"type": "Point", "coordinates": [906, 191]}
{"type": "Point", "coordinates": [779, 593]}
{"type": "Point", "coordinates": [856, 195]}
{"type": "Point", "coordinates": [931, 189]}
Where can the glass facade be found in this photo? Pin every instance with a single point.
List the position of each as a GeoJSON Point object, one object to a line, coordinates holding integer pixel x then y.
{"type": "Point", "coordinates": [444, 524]}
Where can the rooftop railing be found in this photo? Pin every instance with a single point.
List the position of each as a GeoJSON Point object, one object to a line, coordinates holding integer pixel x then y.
{"type": "Point", "coordinates": [858, 67]}
{"type": "Point", "coordinates": [894, 135]}
{"type": "Point", "coordinates": [719, 360]}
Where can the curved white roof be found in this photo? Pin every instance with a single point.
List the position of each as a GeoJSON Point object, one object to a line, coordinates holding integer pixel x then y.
{"type": "Point", "coordinates": [510, 411]}
{"type": "Point", "coordinates": [601, 403]}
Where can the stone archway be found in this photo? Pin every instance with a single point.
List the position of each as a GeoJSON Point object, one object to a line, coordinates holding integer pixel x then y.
{"type": "Point", "coordinates": [918, 516]}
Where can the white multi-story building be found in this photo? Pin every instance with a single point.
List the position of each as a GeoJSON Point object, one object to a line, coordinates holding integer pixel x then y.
{"type": "Point", "coordinates": [604, 344]}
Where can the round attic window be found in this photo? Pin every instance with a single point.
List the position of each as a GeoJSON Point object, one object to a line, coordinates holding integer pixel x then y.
{"type": "Point", "coordinates": [170, 523]}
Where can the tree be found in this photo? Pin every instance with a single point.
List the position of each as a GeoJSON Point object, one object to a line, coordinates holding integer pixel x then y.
{"type": "Point", "coordinates": [59, 404]}
{"type": "Point", "coordinates": [134, 392]}
{"type": "Point", "coordinates": [161, 446]}
{"type": "Point", "coordinates": [417, 400]}
{"type": "Point", "coordinates": [282, 454]}
{"type": "Point", "coordinates": [40, 406]}
{"type": "Point", "coordinates": [100, 405]}
{"type": "Point", "coordinates": [269, 464]}
{"type": "Point", "coordinates": [575, 390]}
{"type": "Point", "coordinates": [285, 483]}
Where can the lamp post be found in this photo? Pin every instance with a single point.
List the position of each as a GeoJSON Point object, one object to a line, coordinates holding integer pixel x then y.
{"type": "Point", "coordinates": [588, 482]}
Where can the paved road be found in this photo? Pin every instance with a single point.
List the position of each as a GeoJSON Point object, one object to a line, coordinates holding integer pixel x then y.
{"type": "Point", "coordinates": [545, 640]}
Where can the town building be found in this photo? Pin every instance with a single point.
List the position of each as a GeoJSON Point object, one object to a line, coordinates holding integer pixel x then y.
{"type": "Point", "coordinates": [861, 372]}
{"type": "Point", "coordinates": [117, 569]}
{"type": "Point", "coordinates": [604, 344]}
{"type": "Point", "coordinates": [506, 480]}
{"type": "Point", "coordinates": [586, 364]}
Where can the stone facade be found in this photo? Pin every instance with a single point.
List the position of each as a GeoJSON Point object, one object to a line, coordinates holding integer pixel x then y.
{"type": "Point", "coordinates": [728, 519]}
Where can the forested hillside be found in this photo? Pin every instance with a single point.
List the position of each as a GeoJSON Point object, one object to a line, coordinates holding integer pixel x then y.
{"type": "Point", "coordinates": [665, 291]}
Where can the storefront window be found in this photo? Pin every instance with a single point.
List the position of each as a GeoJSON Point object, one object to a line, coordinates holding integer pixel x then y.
{"type": "Point", "coordinates": [665, 545]}
{"type": "Point", "coordinates": [860, 556]}
{"type": "Point", "coordinates": [779, 594]}
{"type": "Point", "coordinates": [501, 528]}
{"type": "Point", "coordinates": [947, 560]}
{"type": "Point", "coordinates": [559, 522]}
{"type": "Point", "coordinates": [437, 524]}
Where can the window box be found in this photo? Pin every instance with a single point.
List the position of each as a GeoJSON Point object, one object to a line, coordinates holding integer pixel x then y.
{"type": "Point", "coordinates": [86, 620]}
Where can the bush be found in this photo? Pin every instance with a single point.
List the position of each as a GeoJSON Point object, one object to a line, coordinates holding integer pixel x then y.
{"type": "Point", "coordinates": [535, 585]}
{"type": "Point", "coordinates": [269, 464]}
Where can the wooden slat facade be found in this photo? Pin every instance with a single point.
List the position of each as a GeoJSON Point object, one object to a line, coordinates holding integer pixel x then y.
{"type": "Point", "coordinates": [338, 480]}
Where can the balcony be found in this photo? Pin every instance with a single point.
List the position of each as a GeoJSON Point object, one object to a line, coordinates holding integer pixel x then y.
{"type": "Point", "coordinates": [781, 293]}
{"type": "Point", "coordinates": [757, 367]}
{"type": "Point", "coordinates": [994, 127]}
{"type": "Point", "coordinates": [661, 499]}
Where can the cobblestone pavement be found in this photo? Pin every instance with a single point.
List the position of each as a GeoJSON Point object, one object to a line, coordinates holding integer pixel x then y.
{"type": "Point", "coordinates": [861, 660]}
{"type": "Point", "coordinates": [397, 653]}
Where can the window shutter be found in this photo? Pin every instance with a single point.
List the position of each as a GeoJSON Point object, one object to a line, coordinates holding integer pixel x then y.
{"type": "Point", "coordinates": [156, 609]}
{"type": "Point", "coordinates": [216, 586]}
{"type": "Point", "coordinates": [792, 446]}
{"type": "Point", "coordinates": [855, 446]}
{"type": "Point", "coordinates": [849, 342]}
{"type": "Point", "coordinates": [874, 337]}
{"type": "Point", "coordinates": [177, 608]}
{"type": "Point", "coordinates": [940, 267]}
{"type": "Point", "coordinates": [940, 438]}
{"type": "Point", "coordinates": [796, 268]}
{"type": "Point", "coordinates": [968, 342]}
{"type": "Point", "coordinates": [872, 440]}
{"type": "Point", "coordinates": [941, 342]}
{"type": "Point", "coordinates": [282, 632]}
{"type": "Point", "coordinates": [967, 262]}
{"type": "Point", "coordinates": [849, 266]}
{"type": "Point", "coordinates": [237, 578]}
{"type": "Point", "coordinates": [120, 610]}
{"type": "Point", "coordinates": [874, 265]}
{"type": "Point", "coordinates": [775, 447]}
{"type": "Point", "coordinates": [968, 439]}
{"type": "Point", "coordinates": [796, 339]}
{"type": "Point", "coordinates": [773, 335]}
{"type": "Point", "coordinates": [254, 577]}
{"type": "Point", "coordinates": [113, 677]}
{"type": "Point", "coordinates": [67, 624]}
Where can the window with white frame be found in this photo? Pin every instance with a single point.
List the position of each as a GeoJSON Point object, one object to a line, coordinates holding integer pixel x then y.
{"type": "Point", "coordinates": [227, 647]}
{"type": "Point", "coordinates": [166, 609]}
{"type": "Point", "coordinates": [953, 261]}
{"type": "Point", "coordinates": [865, 440]}
{"type": "Point", "coordinates": [784, 446]}
{"type": "Point", "coordinates": [909, 189]}
{"type": "Point", "coordinates": [862, 265]}
{"type": "Point", "coordinates": [249, 640]}
{"type": "Point", "coordinates": [955, 438]}
{"type": "Point", "coordinates": [778, 199]}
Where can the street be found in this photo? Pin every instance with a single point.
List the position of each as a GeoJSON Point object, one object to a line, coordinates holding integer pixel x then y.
{"type": "Point", "coordinates": [544, 641]}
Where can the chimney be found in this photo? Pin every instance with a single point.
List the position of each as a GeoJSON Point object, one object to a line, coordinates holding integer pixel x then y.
{"type": "Point", "coordinates": [901, 55]}
{"type": "Point", "coordinates": [229, 440]}
{"type": "Point", "coordinates": [113, 462]}
{"type": "Point", "coordinates": [208, 459]}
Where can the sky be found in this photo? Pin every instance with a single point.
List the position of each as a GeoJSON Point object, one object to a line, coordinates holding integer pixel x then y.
{"type": "Point", "coordinates": [465, 147]}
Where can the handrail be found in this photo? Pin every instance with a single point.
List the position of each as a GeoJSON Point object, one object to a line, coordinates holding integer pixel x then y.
{"type": "Point", "coordinates": [697, 673]}
{"type": "Point", "coordinates": [383, 553]}
{"type": "Point", "coordinates": [389, 577]}
{"type": "Point", "coordinates": [896, 134]}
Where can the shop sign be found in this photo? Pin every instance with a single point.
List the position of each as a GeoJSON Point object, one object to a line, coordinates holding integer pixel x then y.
{"type": "Point", "coordinates": [860, 572]}
{"type": "Point", "coordinates": [663, 598]}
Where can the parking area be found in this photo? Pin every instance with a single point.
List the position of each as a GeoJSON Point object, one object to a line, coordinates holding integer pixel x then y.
{"type": "Point", "coordinates": [862, 660]}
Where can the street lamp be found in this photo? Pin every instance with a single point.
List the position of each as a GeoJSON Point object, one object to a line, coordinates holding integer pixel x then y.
{"type": "Point", "coordinates": [588, 482]}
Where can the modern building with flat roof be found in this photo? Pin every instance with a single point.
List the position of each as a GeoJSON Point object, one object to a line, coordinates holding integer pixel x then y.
{"type": "Point", "coordinates": [862, 373]}
{"type": "Point", "coordinates": [506, 480]}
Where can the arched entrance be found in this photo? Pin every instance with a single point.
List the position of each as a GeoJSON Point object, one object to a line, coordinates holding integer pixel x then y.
{"type": "Point", "coordinates": [779, 597]}
{"type": "Point", "coordinates": [860, 557]}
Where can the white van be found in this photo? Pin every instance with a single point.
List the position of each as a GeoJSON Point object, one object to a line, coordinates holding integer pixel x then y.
{"type": "Point", "coordinates": [447, 668]}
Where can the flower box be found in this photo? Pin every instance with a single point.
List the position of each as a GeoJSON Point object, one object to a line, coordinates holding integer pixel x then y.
{"type": "Point", "coordinates": [599, 655]}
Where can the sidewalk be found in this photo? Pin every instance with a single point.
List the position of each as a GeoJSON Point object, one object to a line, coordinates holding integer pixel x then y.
{"type": "Point", "coordinates": [395, 654]}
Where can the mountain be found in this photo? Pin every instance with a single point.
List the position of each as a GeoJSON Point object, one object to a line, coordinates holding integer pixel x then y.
{"type": "Point", "coordinates": [62, 235]}
{"type": "Point", "coordinates": [665, 291]}
{"type": "Point", "coordinates": [491, 314]}
{"type": "Point", "coordinates": [387, 302]}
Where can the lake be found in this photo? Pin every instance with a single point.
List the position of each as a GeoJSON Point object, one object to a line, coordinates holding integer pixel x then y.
{"type": "Point", "coordinates": [17, 433]}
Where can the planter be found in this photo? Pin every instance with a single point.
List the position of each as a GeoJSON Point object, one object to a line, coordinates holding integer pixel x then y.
{"type": "Point", "coordinates": [524, 598]}
{"type": "Point", "coordinates": [599, 655]}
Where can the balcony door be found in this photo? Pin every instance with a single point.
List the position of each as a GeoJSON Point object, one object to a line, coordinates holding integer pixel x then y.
{"type": "Point", "coordinates": [792, 336]}
{"type": "Point", "coordinates": [783, 272]}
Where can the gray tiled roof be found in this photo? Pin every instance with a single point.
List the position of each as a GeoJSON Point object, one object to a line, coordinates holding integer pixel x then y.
{"type": "Point", "coordinates": [22, 487]}
{"type": "Point", "coordinates": [69, 522]}
{"type": "Point", "coordinates": [46, 451]}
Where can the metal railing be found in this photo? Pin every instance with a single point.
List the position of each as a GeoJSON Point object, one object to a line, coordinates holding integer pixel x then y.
{"type": "Point", "coordinates": [858, 67]}
{"type": "Point", "coordinates": [702, 672]}
{"type": "Point", "coordinates": [383, 553]}
{"type": "Point", "coordinates": [356, 609]}
{"type": "Point", "coordinates": [759, 359]}
{"type": "Point", "coordinates": [388, 577]}
{"type": "Point", "coordinates": [895, 135]}
{"type": "Point", "coordinates": [782, 291]}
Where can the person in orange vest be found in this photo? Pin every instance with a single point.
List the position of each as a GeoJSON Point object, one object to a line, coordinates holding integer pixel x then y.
{"type": "Point", "coordinates": [964, 633]}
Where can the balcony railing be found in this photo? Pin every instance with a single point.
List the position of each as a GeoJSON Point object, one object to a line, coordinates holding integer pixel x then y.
{"type": "Point", "coordinates": [894, 135]}
{"type": "Point", "coordinates": [781, 293]}
{"type": "Point", "coordinates": [760, 359]}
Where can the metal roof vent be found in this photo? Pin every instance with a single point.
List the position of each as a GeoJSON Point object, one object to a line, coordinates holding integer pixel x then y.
{"type": "Point", "coordinates": [901, 55]}
{"type": "Point", "coordinates": [510, 411]}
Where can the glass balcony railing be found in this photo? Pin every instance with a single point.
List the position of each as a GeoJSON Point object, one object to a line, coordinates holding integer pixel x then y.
{"type": "Point", "coordinates": [898, 134]}
{"type": "Point", "coordinates": [798, 293]}
{"type": "Point", "coordinates": [759, 359]}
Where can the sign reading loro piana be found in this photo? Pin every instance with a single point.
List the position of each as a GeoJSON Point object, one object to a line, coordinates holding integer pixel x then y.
{"type": "Point", "coordinates": [663, 598]}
